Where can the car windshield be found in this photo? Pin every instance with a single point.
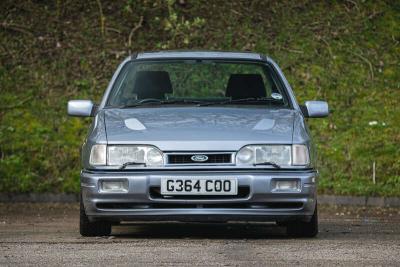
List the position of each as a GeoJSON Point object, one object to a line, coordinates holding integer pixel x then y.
{"type": "Point", "coordinates": [197, 82]}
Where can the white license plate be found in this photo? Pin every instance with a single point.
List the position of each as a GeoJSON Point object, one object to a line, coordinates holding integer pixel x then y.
{"type": "Point", "coordinates": [198, 186]}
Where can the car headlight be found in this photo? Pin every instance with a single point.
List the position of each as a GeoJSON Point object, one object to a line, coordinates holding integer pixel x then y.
{"type": "Point", "coordinates": [148, 155]}
{"type": "Point", "coordinates": [120, 154]}
{"type": "Point", "coordinates": [283, 155]}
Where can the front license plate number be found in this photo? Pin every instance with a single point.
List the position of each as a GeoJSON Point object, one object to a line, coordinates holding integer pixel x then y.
{"type": "Point", "coordinates": [196, 186]}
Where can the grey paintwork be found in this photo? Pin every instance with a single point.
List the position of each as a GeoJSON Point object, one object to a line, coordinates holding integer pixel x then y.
{"type": "Point", "coordinates": [260, 183]}
{"type": "Point", "coordinates": [80, 108]}
{"type": "Point", "coordinates": [316, 109]}
{"type": "Point", "coordinates": [199, 129]}
{"type": "Point", "coordinates": [200, 124]}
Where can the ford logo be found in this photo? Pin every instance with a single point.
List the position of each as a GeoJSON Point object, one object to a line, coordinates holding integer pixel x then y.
{"type": "Point", "coordinates": [199, 158]}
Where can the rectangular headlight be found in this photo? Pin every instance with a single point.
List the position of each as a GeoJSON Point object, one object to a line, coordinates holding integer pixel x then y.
{"type": "Point", "coordinates": [283, 155]}
{"type": "Point", "coordinates": [140, 154]}
{"type": "Point", "coordinates": [256, 154]}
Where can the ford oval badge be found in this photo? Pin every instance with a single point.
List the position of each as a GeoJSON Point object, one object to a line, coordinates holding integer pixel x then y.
{"type": "Point", "coordinates": [199, 158]}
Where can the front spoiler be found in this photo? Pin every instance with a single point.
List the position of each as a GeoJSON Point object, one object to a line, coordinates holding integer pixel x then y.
{"type": "Point", "coordinates": [140, 182]}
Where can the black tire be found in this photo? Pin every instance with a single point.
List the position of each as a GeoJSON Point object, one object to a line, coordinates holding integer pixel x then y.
{"type": "Point", "coordinates": [87, 228]}
{"type": "Point", "coordinates": [304, 229]}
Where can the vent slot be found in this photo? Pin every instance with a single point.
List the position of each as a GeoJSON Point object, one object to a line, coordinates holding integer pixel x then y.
{"type": "Point", "coordinates": [243, 192]}
{"type": "Point", "coordinates": [250, 206]}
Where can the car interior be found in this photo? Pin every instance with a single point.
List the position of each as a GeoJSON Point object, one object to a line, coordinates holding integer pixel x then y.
{"type": "Point", "coordinates": [152, 84]}
{"type": "Point", "coordinates": [156, 84]}
{"type": "Point", "coordinates": [253, 83]}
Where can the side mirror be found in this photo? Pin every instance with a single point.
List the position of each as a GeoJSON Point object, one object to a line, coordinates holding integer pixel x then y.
{"type": "Point", "coordinates": [81, 108]}
{"type": "Point", "coordinates": [315, 109]}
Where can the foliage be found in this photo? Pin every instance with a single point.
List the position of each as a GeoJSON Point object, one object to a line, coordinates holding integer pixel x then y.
{"type": "Point", "coordinates": [346, 52]}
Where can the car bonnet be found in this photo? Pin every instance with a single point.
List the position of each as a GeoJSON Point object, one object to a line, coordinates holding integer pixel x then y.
{"type": "Point", "coordinates": [199, 128]}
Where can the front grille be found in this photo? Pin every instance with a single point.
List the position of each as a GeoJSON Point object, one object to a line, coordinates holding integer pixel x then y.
{"type": "Point", "coordinates": [217, 158]}
{"type": "Point", "coordinates": [264, 205]}
{"type": "Point", "coordinates": [243, 192]}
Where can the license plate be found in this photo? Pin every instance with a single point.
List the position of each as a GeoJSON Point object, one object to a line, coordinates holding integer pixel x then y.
{"type": "Point", "coordinates": [198, 186]}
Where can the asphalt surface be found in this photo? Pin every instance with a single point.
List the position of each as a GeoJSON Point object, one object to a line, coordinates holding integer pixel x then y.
{"type": "Point", "coordinates": [47, 234]}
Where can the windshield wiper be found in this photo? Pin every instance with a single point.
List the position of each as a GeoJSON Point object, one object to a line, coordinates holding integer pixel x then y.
{"type": "Point", "coordinates": [153, 101]}
{"type": "Point", "coordinates": [273, 164]}
{"type": "Point", "coordinates": [241, 100]}
{"type": "Point", "coordinates": [123, 166]}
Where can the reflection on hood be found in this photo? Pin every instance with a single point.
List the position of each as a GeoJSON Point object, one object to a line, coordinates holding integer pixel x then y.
{"type": "Point", "coordinates": [199, 124]}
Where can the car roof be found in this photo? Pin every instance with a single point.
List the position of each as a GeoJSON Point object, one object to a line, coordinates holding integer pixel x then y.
{"type": "Point", "coordinates": [199, 54]}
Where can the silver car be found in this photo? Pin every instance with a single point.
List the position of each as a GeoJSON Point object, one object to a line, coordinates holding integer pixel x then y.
{"type": "Point", "coordinates": [198, 136]}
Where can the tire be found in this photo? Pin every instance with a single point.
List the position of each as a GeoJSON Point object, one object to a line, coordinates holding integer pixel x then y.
{"type": "Point", "coordinates": [304, 229]}
{"type": "Point", "coordinates": [87, 228]}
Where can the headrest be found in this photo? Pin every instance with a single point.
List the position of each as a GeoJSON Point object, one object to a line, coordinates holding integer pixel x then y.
{"type": "Point", "coordinates": [245, 86]}
{"type": "Point", "coordinates": [152, 84]}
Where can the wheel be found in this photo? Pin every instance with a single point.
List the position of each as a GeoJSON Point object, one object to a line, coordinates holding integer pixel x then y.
{"type": "Point", "coordinates": [87, 228]}
{"type": "Point", "coordinates": [304, 229]}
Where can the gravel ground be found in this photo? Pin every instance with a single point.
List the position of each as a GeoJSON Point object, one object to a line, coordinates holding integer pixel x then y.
{"type": "Point", "coordinates": [47, 234]}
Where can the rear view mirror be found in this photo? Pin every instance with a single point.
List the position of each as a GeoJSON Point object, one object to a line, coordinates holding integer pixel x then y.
{"type": "Point", "coordinates": [315, 109]}
{"type": "Point", "coordinates": [81, 108]}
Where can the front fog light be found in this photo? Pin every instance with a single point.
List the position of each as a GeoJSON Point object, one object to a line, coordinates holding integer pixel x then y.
{"type": "Point", "coordinates": [114, 186]}
{"type": "Point", "coordinates": [286, 185]}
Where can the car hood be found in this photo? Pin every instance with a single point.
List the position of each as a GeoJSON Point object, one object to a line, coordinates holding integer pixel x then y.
{"type": "Point", "coordinates": [199, 128]}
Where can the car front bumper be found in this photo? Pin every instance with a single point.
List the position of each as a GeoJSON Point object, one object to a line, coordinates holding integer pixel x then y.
{"type": "Point", "coordinates": [256, 201]}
